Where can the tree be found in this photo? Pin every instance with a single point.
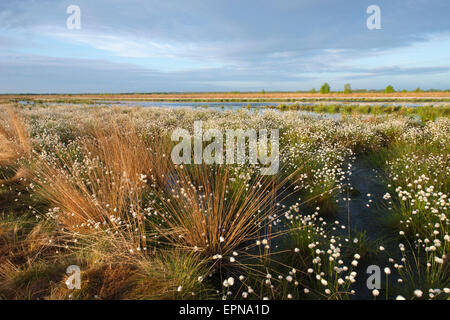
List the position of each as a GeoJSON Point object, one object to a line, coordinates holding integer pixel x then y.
{"type": "Point", "coordinates": [418, 90]}
{"type": "Point", "coordinates": [347, 88]}
{"type": "Point", "coordinates": [325, 88]}
{"type": "Point", "coordinates": [313, 90]}
{"type": "Point", "coordinates": [389, 89]}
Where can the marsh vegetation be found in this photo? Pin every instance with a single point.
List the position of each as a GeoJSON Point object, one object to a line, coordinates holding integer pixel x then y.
{"type": "Point", "coordinates": [95, 187]}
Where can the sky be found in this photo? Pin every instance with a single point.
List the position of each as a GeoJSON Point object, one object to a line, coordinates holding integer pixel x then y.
{"type": "Point", "coordinates": [222, 45]}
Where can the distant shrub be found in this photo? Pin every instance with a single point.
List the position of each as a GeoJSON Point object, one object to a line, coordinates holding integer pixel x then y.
{"type": "Point", "coordinates": [389, 89]}
{"type": "Point", "coordinates": [325, 88]}
{"type": "Point", "coordinates": [347, 88]}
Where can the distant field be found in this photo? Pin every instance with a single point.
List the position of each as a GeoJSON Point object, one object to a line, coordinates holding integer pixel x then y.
{"type": "Point", "coordinates": [238, 96]}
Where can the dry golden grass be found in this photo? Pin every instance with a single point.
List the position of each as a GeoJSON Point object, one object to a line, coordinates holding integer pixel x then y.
{"type": "Point", "coordinates": [82, 199]}
{"type": "Point", "coordinates": [100, 280]}
{"type": "Point", "coordinates": [14, 138]}
{"type": "Point", "coordinates": [204, 212]}
{"type": "Point", "coordinates": [125, 151]}
{"type": "Point", "coordinates": [23, 273]}
{"type": "Point", "coordinates": [117, 166]}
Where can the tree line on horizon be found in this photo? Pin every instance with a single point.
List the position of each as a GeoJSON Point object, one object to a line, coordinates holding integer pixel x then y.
{"type": "Point", "coordinates": [326, 88]}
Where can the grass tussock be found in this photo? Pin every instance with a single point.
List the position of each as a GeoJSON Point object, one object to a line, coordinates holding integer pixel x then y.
{"type": "Point", "coordinates": [207, 212]}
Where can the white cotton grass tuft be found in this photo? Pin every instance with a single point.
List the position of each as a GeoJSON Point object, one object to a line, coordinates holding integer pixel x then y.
{"type": "Point", "coordinates": [418, 293]}
{"type": "Point", "coordinates": [228, 282]}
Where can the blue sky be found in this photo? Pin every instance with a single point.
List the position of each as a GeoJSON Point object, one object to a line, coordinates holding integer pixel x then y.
{"type": "Point", "coordinates": [154, 46]}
